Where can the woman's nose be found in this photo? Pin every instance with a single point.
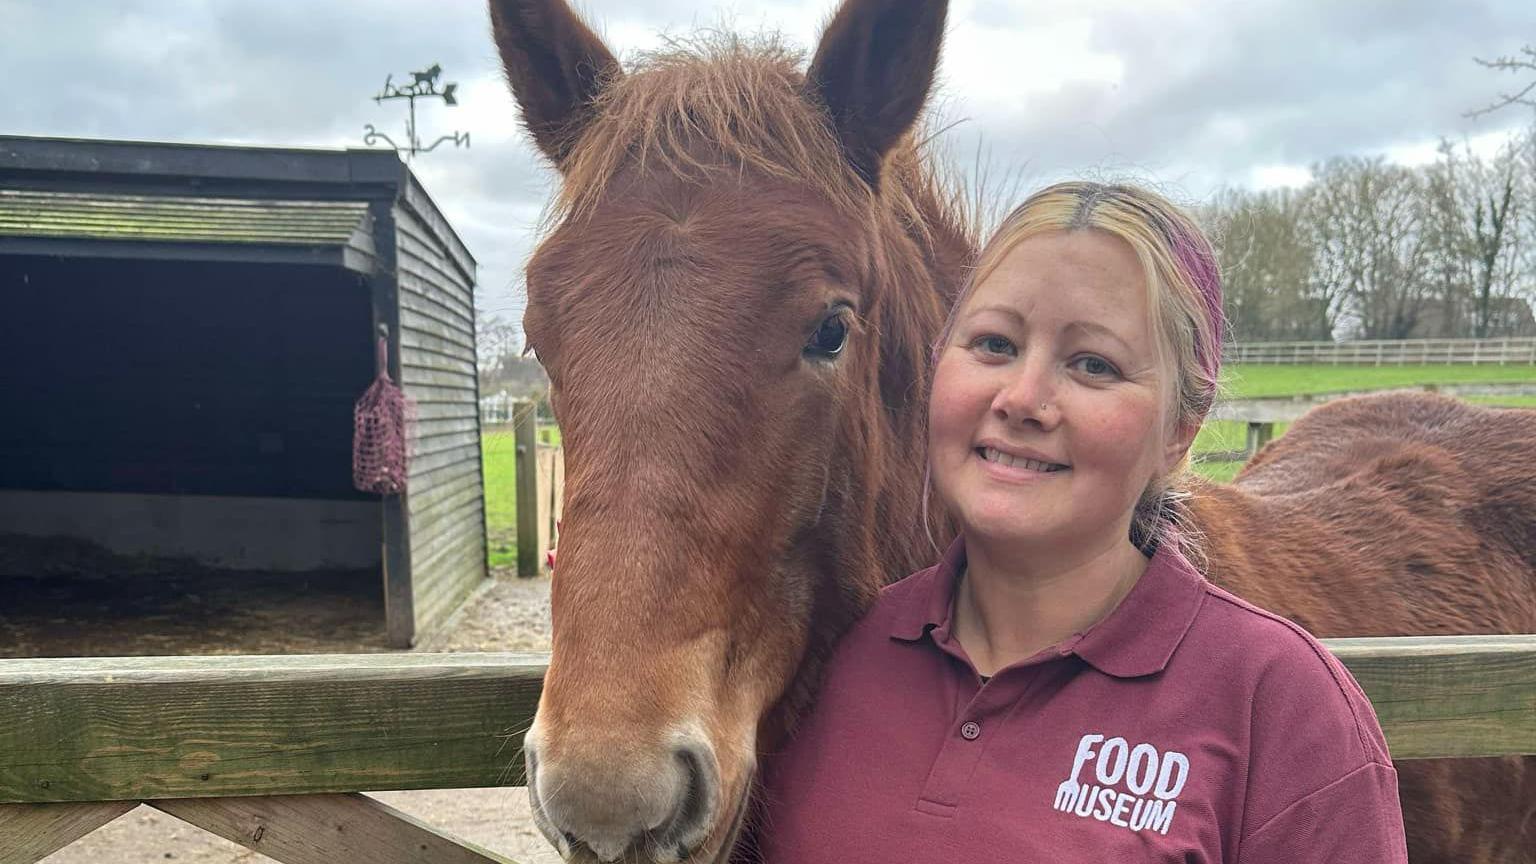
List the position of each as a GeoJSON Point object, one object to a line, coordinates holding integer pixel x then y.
{"type": "Point", "coordinates": [1029, 394]}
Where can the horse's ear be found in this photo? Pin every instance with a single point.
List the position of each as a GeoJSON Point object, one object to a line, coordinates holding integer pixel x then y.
{"type": "Point", "coordinates": [873, 69]}
{"type": "Point", "coordinates": [556, 65]}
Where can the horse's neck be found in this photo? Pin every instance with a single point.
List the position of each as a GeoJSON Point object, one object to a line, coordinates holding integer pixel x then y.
{"type": "Point", "coordinates": [1230, 526]}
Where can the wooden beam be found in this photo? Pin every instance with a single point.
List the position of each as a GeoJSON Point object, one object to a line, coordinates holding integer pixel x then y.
{"type": "Point", "coordinates": [326, 829]}
{"type": "Point", "coordinates": [31, 832]}
{"type": "Point", "coordinates": [104, 729]}
{"type": "Point", "coordinates": [399, 608]}
{"type": "Point", "coordinates": [1448, 695]}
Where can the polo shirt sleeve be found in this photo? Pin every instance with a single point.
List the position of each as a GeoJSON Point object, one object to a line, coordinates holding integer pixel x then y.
{"type": "Point", "coordinates": [1355, 820]}
{"type": "Point", "coordinates": [1320, 787]}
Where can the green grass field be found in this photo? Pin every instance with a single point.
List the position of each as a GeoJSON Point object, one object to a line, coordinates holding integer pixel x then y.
{"type": "Point", "coordinates": [1241, 382]}
{"type": "Point", "coordinates": [1255, 382]}
{"type": "Point", "coordinates": [498, 451]}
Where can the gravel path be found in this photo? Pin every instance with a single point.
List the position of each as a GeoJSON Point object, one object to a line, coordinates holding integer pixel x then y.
{"type": "Point", "coordinates": [513, 615]}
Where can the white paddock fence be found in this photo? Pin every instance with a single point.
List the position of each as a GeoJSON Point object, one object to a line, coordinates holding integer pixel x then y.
{"type": "Point", "coordinates": [496, 408]}
{"type": "Point", "coordinates": [1388, 352]}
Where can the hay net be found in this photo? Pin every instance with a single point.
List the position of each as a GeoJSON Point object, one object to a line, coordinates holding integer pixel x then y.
{"type": "Point", "coordinates": [380, 424]}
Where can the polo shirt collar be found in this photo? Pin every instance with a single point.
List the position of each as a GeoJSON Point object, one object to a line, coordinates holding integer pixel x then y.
{"type": "Point", "coordinates": [928, 605]}
{"type": "Point", "coordinates": [1138, 638]}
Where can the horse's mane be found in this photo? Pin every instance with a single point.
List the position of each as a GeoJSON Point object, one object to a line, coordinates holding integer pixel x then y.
{"type": "Point", "coordinates": [745, 97]}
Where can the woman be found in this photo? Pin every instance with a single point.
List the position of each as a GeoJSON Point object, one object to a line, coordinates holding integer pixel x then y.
{"type": "Point", "coordinates": [1064, 686]}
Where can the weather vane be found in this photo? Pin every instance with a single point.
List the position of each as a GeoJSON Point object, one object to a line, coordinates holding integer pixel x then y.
{"type": "Point", "coordinates": [423, 84]}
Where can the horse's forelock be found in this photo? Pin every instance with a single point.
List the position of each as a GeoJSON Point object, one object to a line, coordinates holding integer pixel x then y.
{"type": "Point", "coordinates": [745, 100]}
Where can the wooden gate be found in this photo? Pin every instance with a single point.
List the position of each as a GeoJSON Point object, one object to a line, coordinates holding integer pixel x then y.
{"type": "Point", "coordinates": [273, 752]}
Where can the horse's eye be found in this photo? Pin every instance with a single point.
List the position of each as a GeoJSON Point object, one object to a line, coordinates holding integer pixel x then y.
{"type": "Point", "coordinates": [830, 337]}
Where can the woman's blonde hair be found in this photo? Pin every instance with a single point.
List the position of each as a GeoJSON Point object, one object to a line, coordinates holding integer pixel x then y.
{"type": "Point", "coordinates": [1184, 298]}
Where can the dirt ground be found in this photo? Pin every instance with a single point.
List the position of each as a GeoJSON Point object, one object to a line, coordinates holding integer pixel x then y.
{"type": "Point", "coordinates": [64, 610]}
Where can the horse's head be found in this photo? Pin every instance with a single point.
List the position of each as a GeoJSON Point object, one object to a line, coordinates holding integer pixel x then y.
{"type": "Point", "coordinates": [734, 307]}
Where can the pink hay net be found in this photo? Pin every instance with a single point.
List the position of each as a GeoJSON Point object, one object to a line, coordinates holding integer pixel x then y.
{"type": "Point", "coordinates": [379, 432]}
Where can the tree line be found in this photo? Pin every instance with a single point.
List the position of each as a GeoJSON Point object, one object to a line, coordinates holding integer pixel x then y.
{"type": "Point", "coordinates": [1373, 250]}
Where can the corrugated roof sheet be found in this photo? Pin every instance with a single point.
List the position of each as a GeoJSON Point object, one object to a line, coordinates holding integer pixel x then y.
{"type": "Point", "coordinates": [167, 219]}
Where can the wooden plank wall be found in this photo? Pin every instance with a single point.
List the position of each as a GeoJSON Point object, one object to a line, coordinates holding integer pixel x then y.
{"type": "Point", "coordinates": [437, 366]}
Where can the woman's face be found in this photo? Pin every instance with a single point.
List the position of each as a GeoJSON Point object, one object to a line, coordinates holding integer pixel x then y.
{"type": "Point", "coordinates": [1050, 412]}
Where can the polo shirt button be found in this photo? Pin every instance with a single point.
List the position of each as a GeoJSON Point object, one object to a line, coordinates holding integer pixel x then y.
{"type": "Point", "coordinates": [971, 730]}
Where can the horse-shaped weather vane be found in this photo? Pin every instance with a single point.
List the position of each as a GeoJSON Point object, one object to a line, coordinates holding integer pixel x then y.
{"type": "Point", "coordinates": [423, 84]}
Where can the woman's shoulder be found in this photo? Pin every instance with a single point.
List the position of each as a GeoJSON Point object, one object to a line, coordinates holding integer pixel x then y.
{"type": "Point", "coordinates": [1288, 673]}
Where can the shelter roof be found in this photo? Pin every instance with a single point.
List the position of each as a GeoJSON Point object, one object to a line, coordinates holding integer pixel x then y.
{"type": "Point", "coordinates": [98, 198]}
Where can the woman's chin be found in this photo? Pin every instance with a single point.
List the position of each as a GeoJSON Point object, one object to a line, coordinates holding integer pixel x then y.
{"type": "Point", "coordinates": [1008, 525]}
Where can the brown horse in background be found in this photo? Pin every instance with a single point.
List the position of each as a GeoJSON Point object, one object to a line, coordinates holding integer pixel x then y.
{"type": "Point", "coordinates": [736, 304]}
{"type": "Point", "coordinates": [1394, 515]}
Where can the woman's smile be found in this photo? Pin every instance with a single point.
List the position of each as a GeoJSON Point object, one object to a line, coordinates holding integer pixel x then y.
{"type": "Point", "coordinates": [1015, 466]}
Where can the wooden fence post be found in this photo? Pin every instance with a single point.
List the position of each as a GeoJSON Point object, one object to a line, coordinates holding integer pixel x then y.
{"type": "Point", "coordinates": [525, 433]}
{"type": "Point", "coordinates": [1259, 434]}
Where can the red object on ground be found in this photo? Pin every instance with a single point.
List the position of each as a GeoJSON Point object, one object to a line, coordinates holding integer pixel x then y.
{"type": "Point", "coordinates": [549, 557]}
{"type": "Point", "coordinates": [379, 432]}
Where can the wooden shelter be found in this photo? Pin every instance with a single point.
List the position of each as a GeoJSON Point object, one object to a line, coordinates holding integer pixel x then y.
{"type": "Point", "coordinates": [183, 332]}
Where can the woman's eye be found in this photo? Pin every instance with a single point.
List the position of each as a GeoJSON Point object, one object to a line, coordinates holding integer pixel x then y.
{"type": "Point", "coordinates": [994, 345]}
{"type": "Point", "coordinates": [1097, 367]}
{"type": "Point", "coordinates": [830, 337]}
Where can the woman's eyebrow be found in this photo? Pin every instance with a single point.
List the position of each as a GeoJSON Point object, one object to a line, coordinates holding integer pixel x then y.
{"type": "Point", "coordinates": [1000, 309]}
{"type": "Point", "coordinates": [1096, 329]}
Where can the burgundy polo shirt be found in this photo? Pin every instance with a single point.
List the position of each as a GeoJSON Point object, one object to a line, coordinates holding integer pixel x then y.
{"type": "Point", "coordinates": [1187, 726]}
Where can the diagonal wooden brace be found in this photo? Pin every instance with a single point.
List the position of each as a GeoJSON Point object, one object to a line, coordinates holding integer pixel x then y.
{"type": "Point", "coordinates": [325, 829]}
{"type": "Point", "coordinates": [31, 832]}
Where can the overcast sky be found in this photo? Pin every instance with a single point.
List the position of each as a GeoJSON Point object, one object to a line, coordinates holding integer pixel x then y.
{"type": "Point", "coordinates": [1188, 95]}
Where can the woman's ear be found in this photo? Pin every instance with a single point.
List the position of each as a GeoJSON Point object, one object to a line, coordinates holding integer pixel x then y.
{"type": "Point", "coordinates": [1179, 442]}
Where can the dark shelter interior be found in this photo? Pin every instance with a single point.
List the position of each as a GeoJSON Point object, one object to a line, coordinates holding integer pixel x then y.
{"type": "Point", "coordinates": [177, 451]}
{"type": "Point", "coordinates": [185, 377]}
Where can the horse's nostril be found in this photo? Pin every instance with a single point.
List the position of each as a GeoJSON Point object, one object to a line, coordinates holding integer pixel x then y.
{"type": "Point", "coordinates": [697, 798]}
{"type": "Point", "coordinates": [693, 781]}
{"type": "Point", "coordinates": [651, 810]}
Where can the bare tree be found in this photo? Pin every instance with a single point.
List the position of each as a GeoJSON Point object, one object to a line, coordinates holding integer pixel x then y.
{"type": "Point", "coordinates": [1491, 234]}
{"type": "Point", "coordinates": [1449, 245]}
{"type": "Point", "coordinates": [496, 341]}
{"type": "Point", "coordinates": [1474, 237]}
{"type": "Point", "coordinates": [1365, 219]}
{"type": "Point", "coordinates": [1523, 65]}
{"type": "Point", "coordinates": [1267, 266]}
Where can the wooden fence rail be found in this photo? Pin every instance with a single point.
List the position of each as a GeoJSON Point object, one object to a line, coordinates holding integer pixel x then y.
{"type": "Point", "coordinates": [273, 751]}
{"type": "Point", "coordinates": [1261, 415]}
{"type": "Point", "coordinates": [1388, 352]}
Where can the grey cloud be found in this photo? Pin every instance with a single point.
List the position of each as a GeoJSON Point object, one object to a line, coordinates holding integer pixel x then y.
{"type": "Point", "coordinates": [1214, 95]}
{"type": "Point", "coordinates": [1209, 91]}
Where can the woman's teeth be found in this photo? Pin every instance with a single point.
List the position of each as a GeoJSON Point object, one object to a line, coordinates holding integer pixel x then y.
{"type": "Point", "coordinates": [1002, 458]}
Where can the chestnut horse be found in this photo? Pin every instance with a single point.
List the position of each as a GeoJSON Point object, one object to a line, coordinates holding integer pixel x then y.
{"type": "Point", "coordinates": [747, 266]}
